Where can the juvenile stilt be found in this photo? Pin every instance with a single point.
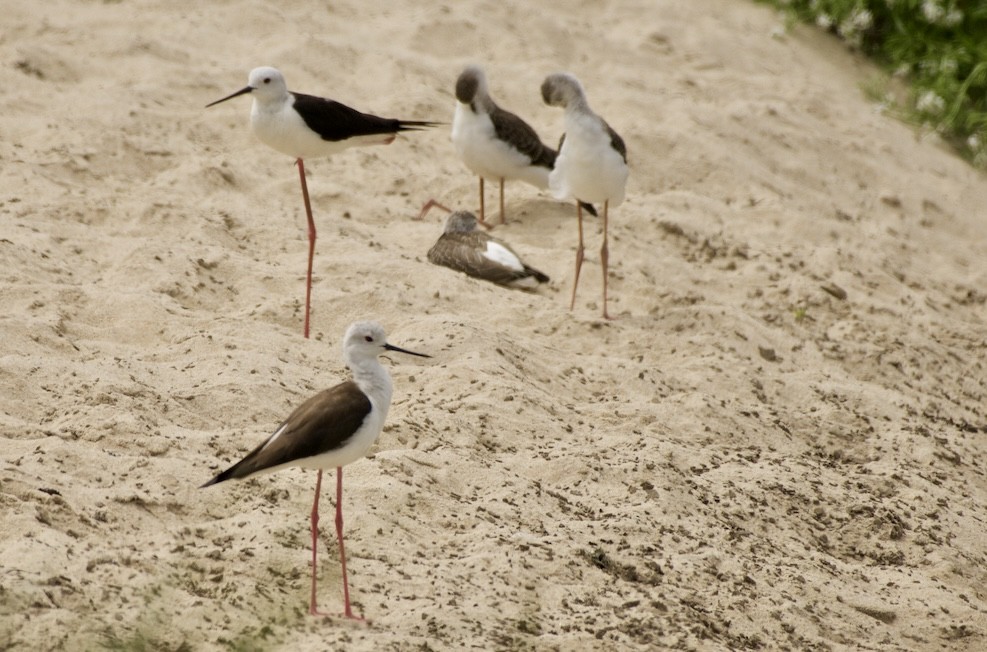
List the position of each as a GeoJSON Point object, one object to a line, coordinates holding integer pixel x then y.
{"type": "Point", "coordinates": [331, 429]}
{"type": "Point", "coordinates": [591, 165]}
{"type": "Point", "coordinates": [464, 248]}
{"type": "Point", "coordinates": [495, 143]}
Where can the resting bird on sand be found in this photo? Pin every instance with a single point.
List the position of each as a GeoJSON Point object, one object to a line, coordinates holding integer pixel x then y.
{"type": "Point", "coordinates": [466, 249]}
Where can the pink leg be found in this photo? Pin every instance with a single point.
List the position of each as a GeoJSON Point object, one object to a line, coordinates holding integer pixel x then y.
{"type": "Point", "coordinates": [311, 243]}
{"type": "Point", "coordinates": [503, 220]}
{"type": "Point", "coordinates": [429, 205]}
{"type": "Point", "coordinates": [342, 553]}
{"type": "Point", "coordinates": [579, 255]}
{"type": "Point", "coordinates": [313, 606]}
{"type": "Point", "coordinates": [605, 260]}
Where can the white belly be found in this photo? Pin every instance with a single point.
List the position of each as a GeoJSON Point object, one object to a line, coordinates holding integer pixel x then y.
{"type": "Point", "coordinates": [356, 448]}
{"type": "Point", "coordinates": [477, 145]}
{"type": "Point", "coordinates": [588, 168]}
{"type": "Point", "coordinates": [285, 131]}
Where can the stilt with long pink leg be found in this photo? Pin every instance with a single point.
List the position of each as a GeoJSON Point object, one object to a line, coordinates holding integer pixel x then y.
{"type": "Point", "coordinates": [333, 428]}
{"type": "Point", "coordinates": [303, 126]}
{"type": "Point", "coordinates": [493, 142]}
{"type": "Point", "coordinates": [591, 165]}
{"type": "Point", "coordinates": [313, 601]}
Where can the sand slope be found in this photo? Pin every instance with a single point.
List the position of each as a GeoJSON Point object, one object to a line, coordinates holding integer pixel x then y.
{"type": "Point", "coordinates": [741, 459]}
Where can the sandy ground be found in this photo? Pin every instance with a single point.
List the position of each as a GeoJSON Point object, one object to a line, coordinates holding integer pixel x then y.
{"type": "Point", "coordinates": [779, 442]}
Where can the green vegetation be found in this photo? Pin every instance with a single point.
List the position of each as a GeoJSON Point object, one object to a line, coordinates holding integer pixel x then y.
{"type": "Point", "coordinates": [939, 47]}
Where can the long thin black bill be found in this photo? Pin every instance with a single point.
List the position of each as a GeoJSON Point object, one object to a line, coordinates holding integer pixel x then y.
{"type": "Point", "coordinates": [391, 347]}
{"type": "Point", "coordinates": [230, 97]}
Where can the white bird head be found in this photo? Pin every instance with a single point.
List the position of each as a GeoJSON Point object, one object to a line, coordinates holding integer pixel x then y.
{"type": "Point", "coordinates": [365, 340]}
{"type": "Point", "coordinates": [266, 84]}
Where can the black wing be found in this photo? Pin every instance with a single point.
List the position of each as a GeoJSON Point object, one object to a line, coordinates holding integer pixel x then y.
{"type": "Point", "coordinates": [321, 424]}
{"type": "Point", "coordinates": [616, 141]}
{"type": "Point", "coordinates": [512, 129]}
{"type": "Point", "coordinates": [589, 208]}
{"type": "Point", "coordinates": [335, 121]}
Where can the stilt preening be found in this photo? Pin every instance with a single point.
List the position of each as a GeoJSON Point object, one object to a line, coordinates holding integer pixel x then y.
{"type": "Point", "coordinates": [464, 248]}
{"type": "Point", "coordinates": [331, 429]}
{"type": "Point", "coordinates": [494, 143]}
{"type": "Point", "coordinates": [591, 165]}
{"type": "Point", "coordinates": [304, 126]}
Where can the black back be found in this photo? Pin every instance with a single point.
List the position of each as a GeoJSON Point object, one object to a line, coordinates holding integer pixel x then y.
{"type": "Point", "coordinates": [335, 121]}
{"type": "Point", "coordinates": [514, 130]}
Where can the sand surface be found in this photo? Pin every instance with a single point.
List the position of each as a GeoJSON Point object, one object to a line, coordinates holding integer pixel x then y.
{"type": "Point", "coordinates": [779, 443]}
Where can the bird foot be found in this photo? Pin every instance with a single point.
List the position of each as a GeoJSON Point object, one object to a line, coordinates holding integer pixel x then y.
{"type": "Point", "coordinates": [429, 205]}
{"type": "Point", "coordinates": [347, 615]}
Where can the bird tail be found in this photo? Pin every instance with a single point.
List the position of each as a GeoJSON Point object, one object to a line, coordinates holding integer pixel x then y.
{"type": "Point", "coordinates": [417, 125]}
{"type": "Point", "coordinates": [588, 208]}
{"type": "Point", "coordinates": [539, 276]}
{"type": "Point", "coordinates": [228, 474]}
{"type": "Point", "coordinates": [219, 478]}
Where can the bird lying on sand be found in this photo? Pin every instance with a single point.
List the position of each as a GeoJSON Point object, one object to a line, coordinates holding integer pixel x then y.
{"type": "Point", "coordinates": [466, 249]}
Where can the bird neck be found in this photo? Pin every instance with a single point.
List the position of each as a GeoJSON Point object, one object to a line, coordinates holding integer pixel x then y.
{"type": "Point", "coordinates": [577, 104]}
{"type": "Point", "coordinates": [268, 104]}
{"type": "Point", "coordinates": [482, 102]}
{"type": "Point", "coordinates": [372, 378]}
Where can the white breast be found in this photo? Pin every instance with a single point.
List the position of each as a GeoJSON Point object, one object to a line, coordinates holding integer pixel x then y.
{"type": "Point", "coordinates": [588, 168]}
{"type": "Point", "coordinates": [280, 127]}
{"type": "Point", "coordinates": [477, 145]}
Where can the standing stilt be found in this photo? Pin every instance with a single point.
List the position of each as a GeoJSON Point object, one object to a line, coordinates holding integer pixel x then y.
{"type": "Point", "coordinates": [305, 126]}
{"type": "Point", "coordinates": [333, 428]}
{"type": "Point", "coordinates": [591, 165]}
{"type": "Point", "coordinates": [493, 142]}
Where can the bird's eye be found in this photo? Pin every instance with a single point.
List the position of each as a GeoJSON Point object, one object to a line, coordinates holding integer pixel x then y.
{"type": "Point", "coordinates": [368, 338]}
{"type": "Point", "coordinates": [267, 80]}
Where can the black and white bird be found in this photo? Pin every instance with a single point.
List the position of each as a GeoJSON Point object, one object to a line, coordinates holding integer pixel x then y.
{"type": "Point", "coordinates": [591, 165]}
{"type": "Point", "coordinates": [494, 143]}
{"type": "Point", "coordinates": [330, 430]}
{"type": "Point", "coordinates": [464, 248]}
{"type": "Point", "coordinates": [303, 126]}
